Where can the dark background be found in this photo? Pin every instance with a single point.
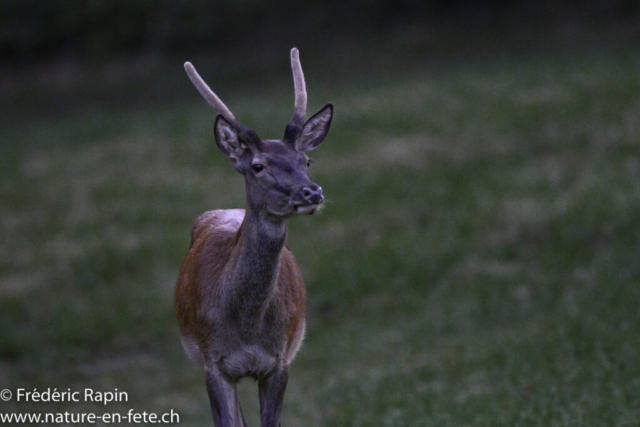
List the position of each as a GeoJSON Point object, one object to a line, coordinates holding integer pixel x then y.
{"type": "Point", "coordinates": [34, 31]}
{"type": "Point", "coordinates": [477, 262]}
{"type": "Point", "coordinates": [58, 57]}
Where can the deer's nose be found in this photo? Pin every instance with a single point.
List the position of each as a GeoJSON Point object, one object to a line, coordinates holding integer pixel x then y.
{"type": "Point", "coordinates": [312, 194]}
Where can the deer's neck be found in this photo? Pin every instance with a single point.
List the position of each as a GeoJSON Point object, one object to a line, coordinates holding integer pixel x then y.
{"type": "Point", "coordinates": [253, 269]}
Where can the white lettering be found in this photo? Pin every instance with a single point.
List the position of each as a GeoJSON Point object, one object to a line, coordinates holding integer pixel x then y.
{"type": "Point", "coordinates": [105, 397]}
{"type": "Point", "coordinates": [48, 395]}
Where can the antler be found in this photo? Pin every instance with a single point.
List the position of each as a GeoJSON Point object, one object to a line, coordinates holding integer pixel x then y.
{"type": "Point", "coordinates": [213, 100]}
{"type": "Point", "coordinates": [298, 83]}
{"type": "Point", "coordinates": [211, 97]}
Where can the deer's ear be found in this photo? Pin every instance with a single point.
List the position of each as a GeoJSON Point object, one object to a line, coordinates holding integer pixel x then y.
{"type": "Point", "coordinates": [227, 139]}
{"type": "Point", "coordinates": [315, 130]}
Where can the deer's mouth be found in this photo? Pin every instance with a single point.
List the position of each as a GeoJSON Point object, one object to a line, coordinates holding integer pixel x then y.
{"type": "Point", "coordinates": [307, 209]}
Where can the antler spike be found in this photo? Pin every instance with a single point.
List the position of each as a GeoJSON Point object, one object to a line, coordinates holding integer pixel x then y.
{"type": "Point", "coordinates": [299, 85]}
{"type": "Point", "coordinates": [208, 94]}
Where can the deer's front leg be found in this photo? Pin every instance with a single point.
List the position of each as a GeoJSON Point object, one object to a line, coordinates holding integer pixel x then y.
{"type": "Point", "coordinates": [272, 395]}
{"type": "Point", "coordinates": [225, 406]}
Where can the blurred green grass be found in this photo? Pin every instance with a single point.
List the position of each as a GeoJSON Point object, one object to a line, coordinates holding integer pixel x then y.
{"type": "Point", "coordinates": [477, 263]}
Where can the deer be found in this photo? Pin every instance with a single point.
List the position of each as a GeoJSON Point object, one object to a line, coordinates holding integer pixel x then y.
{"type": "Point", "coordinates": [240, 298]}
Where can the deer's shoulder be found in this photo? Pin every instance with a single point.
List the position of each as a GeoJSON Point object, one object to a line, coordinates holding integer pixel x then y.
{"type": "Point", "coordinates": [217, 222]}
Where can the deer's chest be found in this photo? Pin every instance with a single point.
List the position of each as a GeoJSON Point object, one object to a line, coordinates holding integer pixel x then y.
{"type": "Point", "coordinates": [249, 344]}
{"type": "Point", "coordinates": [248, 361]}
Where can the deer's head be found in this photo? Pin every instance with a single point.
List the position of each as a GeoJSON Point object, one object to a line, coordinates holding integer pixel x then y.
{"type": "Point", "coordinates": [276, 171]}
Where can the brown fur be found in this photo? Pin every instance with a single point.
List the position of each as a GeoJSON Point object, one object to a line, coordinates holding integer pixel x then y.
{"type": "Point", "coordinates": [198, 295]}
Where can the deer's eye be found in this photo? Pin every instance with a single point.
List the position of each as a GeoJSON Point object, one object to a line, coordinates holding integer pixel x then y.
{"type": "Point", "coordinates": [257, 167]}
{"type": "Point", "coordinates": [308, 162]}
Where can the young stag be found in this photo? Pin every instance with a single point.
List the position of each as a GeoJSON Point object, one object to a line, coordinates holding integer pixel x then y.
{"type": "Point", "coordinates": [240, 298]}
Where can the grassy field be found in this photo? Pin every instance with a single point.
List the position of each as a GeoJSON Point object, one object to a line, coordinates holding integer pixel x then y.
{"type": "Point", "coordinates": [477, 263]}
